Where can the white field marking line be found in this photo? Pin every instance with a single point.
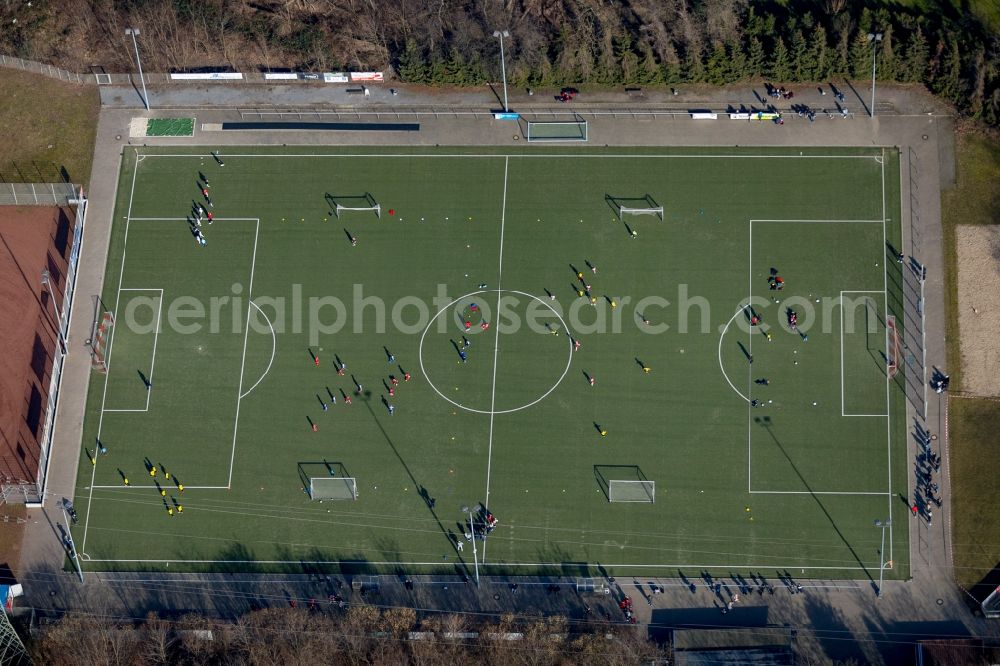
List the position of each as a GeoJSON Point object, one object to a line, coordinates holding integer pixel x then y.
{"type": "Point", "coordinates": [821, 221]}
{"type": "Point", "coordinates": [505, 564]}
{"type": "Point", "coordinates": [152, 362]}
{"type": "Point", "coordinates": [141, 487]}
{"type": "Point", "coordinates": [888, 404]}
{"type": "Point", "coordinates": [156, 338]}
{"type": "Point", "coordinates": [859, 291]}
{"type": "Point", "coordinates": [107, 358]}
{"type": "Point", "coordinates": [722, 336]}
{"type": "Point", "coordinates": [129, 219]}
{"type": "Point", "coordinates": [750, 362]}
{"type": "Point", "coordinates": [841, 330]}
{"type": "Point", "coordinates": [274, 349]}
{"type": "Point", "coordinates": [243, 362]}
{"type": "Point", "coordinates": [184, 219]}
{"type": "Point", "coordinates": [427, 377]}
{"type": "Point", "coordinates": [843, 410]}
{"type": "Point", "coordinates": [492, 155]}
{"type": "Point", "coordinates": [815, 492]}
{"type": "Point", "coordinates": [496, 347]}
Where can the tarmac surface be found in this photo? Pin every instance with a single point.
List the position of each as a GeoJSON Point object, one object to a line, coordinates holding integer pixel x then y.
{"type": "Point", "coordinates": [832, 619]}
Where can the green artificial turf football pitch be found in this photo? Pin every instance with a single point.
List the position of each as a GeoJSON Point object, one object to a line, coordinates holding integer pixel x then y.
{"type": "Point", "coordinates": [679, 436]}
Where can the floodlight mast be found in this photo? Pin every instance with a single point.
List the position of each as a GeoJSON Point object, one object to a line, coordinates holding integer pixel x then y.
{"type": "Point", "coordinates": [875, 38]}
{"type": "Point", "coordinates": [475, 554]}
{"type": "Point", "coordinates": [503, 66]}
{"type": "Point", "coordinates": [133, 32]}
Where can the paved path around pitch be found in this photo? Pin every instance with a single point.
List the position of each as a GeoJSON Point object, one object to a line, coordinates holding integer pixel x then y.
{"type": "Point", "coordinates": [836, 619]}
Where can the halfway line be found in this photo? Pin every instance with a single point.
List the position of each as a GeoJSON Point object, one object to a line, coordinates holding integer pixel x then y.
{"type": "Point", "coordinates": [496, 347]}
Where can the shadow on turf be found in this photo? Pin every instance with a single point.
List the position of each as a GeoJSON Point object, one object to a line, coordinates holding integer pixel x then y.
{"type": "Point", "coordinates": [766, 423]}
{"type": "Point", "coordinates": [605, 473]}
{"type": "Point", "coordinates": [429, 505]}
{"type": "Point", "coordinates": [312, 469]}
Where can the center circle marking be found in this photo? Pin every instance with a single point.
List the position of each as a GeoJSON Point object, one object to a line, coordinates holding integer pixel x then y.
{"type": "Point", "coordinates": [569, 358]}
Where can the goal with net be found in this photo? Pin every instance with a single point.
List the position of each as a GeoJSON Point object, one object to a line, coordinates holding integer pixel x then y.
{"type": "Point", "coordinates": [652, 210]}
{"type": "Point", "coordinates": [632, 206]}
{"type": "Point", "coordinates": [620, 490]}
{"type": "Point", "coordinates": [537, 131]}
{"type": "Point", "coordinates": [894, 346]}
{"type": "Point", "coordinates": [333, 488]}
{"type": "Point", "coordinates": [99, 342]}
{"type": "Point", "coordinates": [363, 203]}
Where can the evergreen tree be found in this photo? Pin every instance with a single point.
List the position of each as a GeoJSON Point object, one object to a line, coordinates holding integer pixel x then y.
{"type": "Point", "coordinates": [818, 54]}
{"type": "Point", "coordinates": [738, 69]}
{"type": "Point", "coordinates": [672, 71]}
{"type": "Point", "coordinates": [693, 69]}
{"type": "Point", "coordinates": [541, 74]}
{"type": "Point", "coordinates": [888, 58]}
{"type": "Point", "coordinates": [565, 69]}
{"type": "Point", "coordinates": [437, 72]}
{"type": "Point", "coordinates": [915, 60]}
{"type": "Point", "coordinates": [476, 71]}
{"type": "Point", "coordinates": [838, 58]}
{"type": "Point", "coordinates": [411, 66]}
{"type": "Point", "coordinates": [456, 71]}
{"type": "Point", "coordinates": [948, 82]}
{"type": "Point", "coordinates": [861, 56]}
{"type": "Point", "coordinates": [626, 59]}
{"type": "Point", "coordinates": [757, 58]}
{"type": "Point", "coordinates": [758, 26]}
{"type": "Point", "coordinates": [802, 68]}
{"type": "Point", "coordinates": [650, 72]}
{"type": "Point", "coordinates": [780, 69]}
{"type": "Point", "coordinates": [716, 69]}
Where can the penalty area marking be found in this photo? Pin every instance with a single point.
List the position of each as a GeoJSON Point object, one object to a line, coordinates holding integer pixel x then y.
{"type": "Point", "coordinates": [569, 359]}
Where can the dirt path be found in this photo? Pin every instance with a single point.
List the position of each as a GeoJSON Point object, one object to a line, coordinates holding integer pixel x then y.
{"type": "Point", "coordinates": [978, 249]}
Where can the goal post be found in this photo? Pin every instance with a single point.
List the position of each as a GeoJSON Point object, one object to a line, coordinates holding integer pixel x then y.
{"type": "Point", "coordinates": [894, 345]}
{"type": "Point", "coordinates": [621, 490]}
{"type": "Point", "coordinates": [333, 488]}
{"type": "Point", "coordinates": [362, 203]}
{"type": "Point", "coordinates": [634, 205]}
{"type": "Point", "coordinates": [340, 208]}
{"type": "Point", "coordinates": [650, 210]}
{"type": "Point", "coordinates": [99, 342]}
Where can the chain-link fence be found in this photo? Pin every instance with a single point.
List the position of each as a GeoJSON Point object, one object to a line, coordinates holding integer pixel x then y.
{"type": "Point", "coordinates": [41, 68]}
{"type": "Point", "coordinates": [37, 194]}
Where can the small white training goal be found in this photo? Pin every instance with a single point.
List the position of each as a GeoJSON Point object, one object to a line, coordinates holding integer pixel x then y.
{"type": "Point", "coordinates": [333, 488]}
{"type": "Point", "coordinates": [651, 210]}
{"type": "Point", "coordinates": [340, 208]}
{"type": "Point", "coordinates": [364, 203]}
{"type": "Point", "coordinates": [631, 491]}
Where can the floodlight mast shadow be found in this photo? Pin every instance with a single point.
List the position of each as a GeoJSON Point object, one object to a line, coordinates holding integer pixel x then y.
{"type": "Point", "coordinates": [881, 554]}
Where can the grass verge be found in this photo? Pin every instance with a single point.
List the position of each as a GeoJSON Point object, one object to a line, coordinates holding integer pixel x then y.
{"type": "Point", "coordinates": [48, 125]}
{"type": "Point", "coordinates": [974, 422]}
{"type": "Point", "coordinates": [975, 493]}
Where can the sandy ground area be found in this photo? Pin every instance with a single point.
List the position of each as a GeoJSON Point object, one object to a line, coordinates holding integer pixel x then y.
{"type": "Point", "coordinates": [979, 307]}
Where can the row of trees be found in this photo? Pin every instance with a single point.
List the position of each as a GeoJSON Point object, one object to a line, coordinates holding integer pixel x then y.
{"type": "Point", "coordinates": [960, 66]}
{"type": "Point", "coordinates": [361, 635]}
{"type": "Point", "coordinates": [552, 43]}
